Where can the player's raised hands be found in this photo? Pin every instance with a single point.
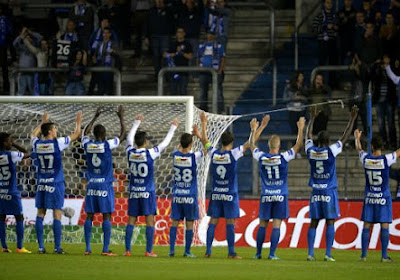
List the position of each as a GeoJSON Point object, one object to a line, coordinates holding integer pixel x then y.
{"type": "Point", "coordinates": [354, 112]}
{"type": "Point", "coordinates": [139, 117]}
{"type": "Point", "coordinates": [203, 117]}
{"type": "Point", "coordinates": [357, 133]}
{"type": "Point", "coordinates": [301, 123]}
{"type": "Point", "coordinates": [45, 117]}
{"type": "Point", "coordinates": [265, 120]}
{"type": "Point", "coordinates": [78, 117]}
{"type": "Point", "coordinates": [196, 131]}
{"type": "Point", "coordinates": [254, 124]}
{"type": "Point", "coordinates": [175, 122]}
{"type": "Point", "coordinates": [99, 111]}
{"type": "Point", "coordinates": [120, 111]}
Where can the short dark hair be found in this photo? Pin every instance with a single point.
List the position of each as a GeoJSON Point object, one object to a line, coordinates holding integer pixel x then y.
{"type": "Point", "coordinates": [45, 128]}
{"type": "Point", "coordinates": [226, 138]}
{"type": "Point", "coordinates": [186, 140]}
{"type": "Point", "coordinates": [140, 138]}
{"type": "Point", "coordinates": [323, 138]}
{"type": "Point", "coordinates": [377, 142]}
{"type": "Point", "coordinates": [3, 137]}
{"type": "Point", "coordinates": [99, 131]}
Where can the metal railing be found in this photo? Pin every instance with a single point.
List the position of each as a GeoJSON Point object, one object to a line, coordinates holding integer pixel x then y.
{"type": "Point", "coordinates": [328, 68]}
{"type": "Point", "coordinates": [296, 34]}
{"type": "Point", "coordinates": [16, 71]}
{"type": "Point", "coordinates": [186, 69]}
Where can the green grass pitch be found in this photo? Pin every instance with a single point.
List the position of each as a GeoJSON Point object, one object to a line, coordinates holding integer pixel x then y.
{"type": "Point", "coordinates": [292, 265]}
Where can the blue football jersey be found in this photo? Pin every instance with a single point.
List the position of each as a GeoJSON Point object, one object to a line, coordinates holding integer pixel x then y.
{"type": "Point", "coordinates": [185, 178]}
{"type": "Point", "coordinates": [49, 159]}
{"type": "Point", "coordinates": [8, 172]}
{"type": "Point", "coordinates": [323, 165]}
{"type": "Point", "coordinates": [99, 162]}
{"type": "Point", "coordinates": [141, 166]}
{"type": "Point", "coordinates": [273, 171]}
{"type": "Point", "coordinates": [224, 170]}
{"type": "Point", "coordinates": [377, 175]}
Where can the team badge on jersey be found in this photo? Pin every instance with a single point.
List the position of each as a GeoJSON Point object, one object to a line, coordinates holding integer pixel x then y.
{"type": "Point", "coordinates": [45, 148]}
{"type": "Point", "coordinates": [182, 161]}
{"type": "Point", "coordinates": [374, 163]}
{"type": "Point", "coordinates": [4, 160]}
{"type": "Point", "coordinates": [221, 159]}
{"type": "Point", "coordinates": [95, 148]}
{"type": "Point", "coordinates": [275, 160]}
{"type": "Point", "coordinates": [322, 155]}
{"type": "Point", "coordinates": [138, 157]}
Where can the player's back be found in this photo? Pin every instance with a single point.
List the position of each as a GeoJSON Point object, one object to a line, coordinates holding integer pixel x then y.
{"type": "Point", "coordinates": [141, 166]}
{"type": "Point", "coordinates": [8, 173]}
{"type": "Point", "coordinates": [185, 178]}
{"type": "Point", "coordinates": [224, 170]}
{"type": "Point", "coordinates": [99, 162]}
{"type": "Point", "coordinates": [49, 161]}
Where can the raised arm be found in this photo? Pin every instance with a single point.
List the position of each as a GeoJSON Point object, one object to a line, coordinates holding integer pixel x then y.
{"type": "Point", "coordinates": [36, 131]}
{"type": "Point", "coordinates": [88, 128]}
{"type": "Point", "coordinates": [132, 132]}
{"type": "Point", "coordinates": [253, 126]}
{"type": "Point", "coordinates": [78, 129]}
{"type": "Point", "coordinates": [314, 114]}
{"type": "Point", "coordinates": [389, 72]}
{"type": "Point", "coordinates": [357, 140]}
{"type": "Point", "coordinates": [300, 135]}
{"type": "Point", "coordinates": [258, 132]}
{"type": "Point", "coordinates": [169, 136]}
{"type": "Point", "coordinates": [203, 120]}
{"type": "Point", "coordinates": [347, 132]}
{"type": "Point", "coordinates": [21, 149]}
{"type": "Point", "coordinates": [120, 113]}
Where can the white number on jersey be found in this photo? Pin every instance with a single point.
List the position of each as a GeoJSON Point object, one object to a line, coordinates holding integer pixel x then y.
{"type": "Point", "coordinates": [320, 167]}
{"type": "Point", "coordinates": [186, 176]}
{"type": "Point", "coordinates": [50, 162]}
{"type": "Point", "coordinates": [374, 177]}
{"type": "Point", "coordinates": [5, 173]}
{"type": "Point", "coordinates": [276, 171]}
{"type": "Point", "coordinates": [221, 171]}
{"type": "Point", "coordinates": [96, 161]}
{"type": "Point", "coordinates": [140, 169]}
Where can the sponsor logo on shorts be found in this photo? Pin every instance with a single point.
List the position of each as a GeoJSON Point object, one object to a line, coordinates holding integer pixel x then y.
{"type": "Point", "coordinates": [43, 148]}
{"type": "Point", "coordinates": [4, 160]}
{"type": "Point", "coordinates": [374, 163]}
{"type": "Point", "coordinates": [322, 155]}
{"type": "Point", "coordinates": [221, 159]}
{"type": "Point", "coordinates": [275, 160]}
{"type": "Point", "coordinates": [95, 148]}
{"type": "Point", "coordinates": [181, 161]}
{"type": "Point", "coordinates": [138, 157]}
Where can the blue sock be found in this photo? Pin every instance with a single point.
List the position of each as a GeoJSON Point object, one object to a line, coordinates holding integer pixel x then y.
{"type": "Point", "coordinates": [364, 242]}
{"type": "Point", "coordinates": [276, 233]}
{"type": "Point", "coordinates": [172, 239]}
{"type": "Point", "coordinates": [107, 235]}
{"type": "Point", "coordinates": [384, 242]}
{"type": "Point", "coordinates": [128, 237]}
{"type": "Point", "coordinates": [210, 238]}
{"type": "Point", "coordinates": [57, 234]}
{"type": "Point", "coordinates": [20, 233]}
{"type": "Point", "coordinates": [149, 239]}
{"type": "Point", "coordinates": [230, 237]}
{"type": "Point", "coordinates": [188, 240]}
{"type": "Point", "coordinates": [329, 236]}
{"type": "Point", "coordinates": [260, 239]}
{"type": "Point", "coordinates": [88, 234]}
{"type": "Point", "coordinates": [311, 240]}
{"type": "Point", "coordinates": [3, 234]}
{"type": "Point", "coordinates": [39, 231]}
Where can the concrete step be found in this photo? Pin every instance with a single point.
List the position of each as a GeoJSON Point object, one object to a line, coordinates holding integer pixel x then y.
{"type": "Point", "coordinates": [261, 13]}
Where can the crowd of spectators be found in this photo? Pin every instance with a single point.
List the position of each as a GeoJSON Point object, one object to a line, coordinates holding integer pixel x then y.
{"type": "Point", "coordinates": [93, 33]}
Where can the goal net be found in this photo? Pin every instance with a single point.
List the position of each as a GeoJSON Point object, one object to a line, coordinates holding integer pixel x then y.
{"type": "Point", "coordinates": [20, 115]}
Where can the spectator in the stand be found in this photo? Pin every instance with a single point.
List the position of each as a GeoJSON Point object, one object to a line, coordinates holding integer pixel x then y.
{"type": "Point", "coordinates": [359, 27]}
{"type": "Point", "coordinates": [75, 84]}
{"type": "Point", "coordinates": [319, 93]}
{"type": "Point", "coordinates": [325, 26]}
{"type": "Point", "coordinates": [378, 22]}
{"type": "Point", "coordinates": [368, 47]}
{"type": "Point", "coordinates": [83, 15]}
{"type": "Point", "coordinates": [211, 54]}
{"type": "Point", "coordinates": [5, 33]}
{"type": "Point", "coordinates": [385, 100]}
{"type": "Point", "coordinates": [62, 14]}
{"type": "Point", "coordinates": [43, 81]}
{"type": "Point", "coordinates": [346, 18]}
{"type": "Point", "coordinates": [140, 13]}
{"type": "Point", "coordinates": [295, 95]}
{"type": "Point", "coordinates": [179, 54]}
{"type": "Point", "coordinates": [160, 22]}
{"type": "Point", "coordinates": [389, 36]}
{"type": "Point", "coordinates": [112, 12]}
{"type": "Point", "coordinates": [367, 11]}
{"type": "Point", "coordinates": [191, 18]}
{"type": "Point", "coordinates": [26, 60]}
{"type": "Point", "coordinates": [217, 20]}
{"type": "Point", "coordinates": [106, 55]}
{"type": "Point", "coordinates": [394, 9]}
{"type": "Point", "coordinates": [95, 39]}
{"type": "Point", "coordinates": [70, 35]}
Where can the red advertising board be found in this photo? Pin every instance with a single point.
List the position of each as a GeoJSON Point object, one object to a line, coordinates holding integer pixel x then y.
{"type": "Point", "coordinates": [293, 230]}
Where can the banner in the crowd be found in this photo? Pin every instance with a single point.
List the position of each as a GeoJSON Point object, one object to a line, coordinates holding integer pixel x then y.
{"type": "Point", "coordinates": [63, 52]}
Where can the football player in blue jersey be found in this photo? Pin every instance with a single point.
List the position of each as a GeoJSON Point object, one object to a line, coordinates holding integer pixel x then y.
{"type": "Point", "coordinates": [273, 168]}
{"type": "Point", "coordinates": [184, 194]}
{"type": "Point", "coordinates": [224, 202]}
{"type": "Point", "coordinates": [10, 198]}
{"type": "Point", "coordinates": [377, 207]}
{"type": "Point", "coordinates": [100, 176]}
{"type": "Point", "coordinates": [324, 202]}
{"type": "Point", "coordinates": [142, 195]}
{"type": "Point", "coordinates": [50, 176]}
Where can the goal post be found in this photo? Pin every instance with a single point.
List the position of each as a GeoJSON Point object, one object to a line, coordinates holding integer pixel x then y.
{"type": "Point", "coordinates": [21, 114]}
